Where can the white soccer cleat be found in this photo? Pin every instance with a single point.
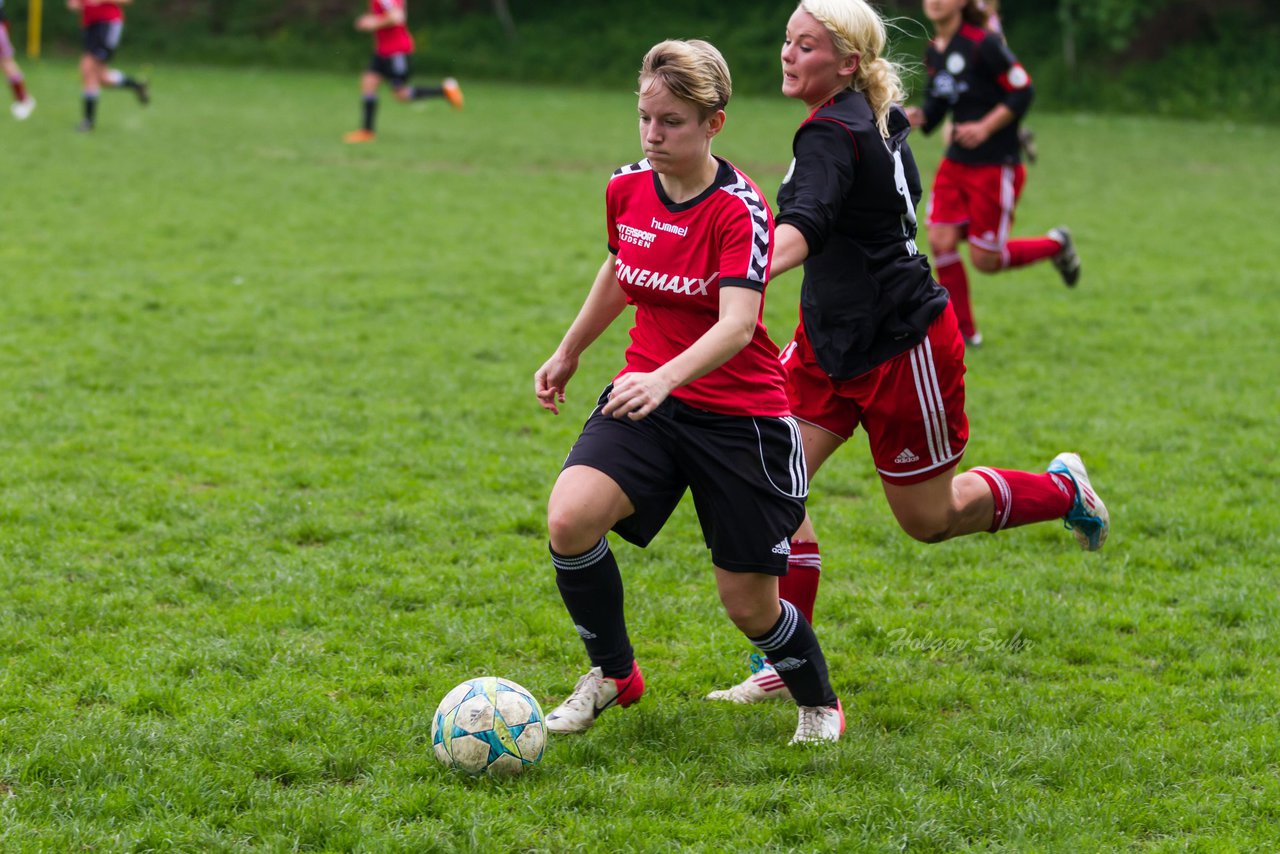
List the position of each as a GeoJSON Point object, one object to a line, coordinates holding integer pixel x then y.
{"type": "Point", "coordinates": [819, 723]}
{"type": "Point", "coordinates": [1088, 518]}
{"type": "Point", "coordinates": [23, 109]}
{"type": "Point", "coordinates": [594, 693]}
{"type": "Point", "coordinates": [763, 684]}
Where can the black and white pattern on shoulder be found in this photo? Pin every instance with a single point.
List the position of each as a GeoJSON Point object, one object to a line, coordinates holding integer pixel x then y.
{"type": "Point", "coordinates": [642, 166]}
{"type": "Point", "coordinates": [759, 213]}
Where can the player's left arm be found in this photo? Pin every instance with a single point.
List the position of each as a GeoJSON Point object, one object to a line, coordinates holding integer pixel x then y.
{"type": "Point", "coordinates": [822, 177]}
{"type": "Point", "coordinates": [1013, 79]}
{"type": "Point", "coordinates": [635, 395]}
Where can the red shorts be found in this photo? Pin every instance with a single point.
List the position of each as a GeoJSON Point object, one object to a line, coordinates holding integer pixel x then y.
{"type": "Point", "coordinates": [979, 198]}
{"type": "Point", "coordinates": [912, 406]}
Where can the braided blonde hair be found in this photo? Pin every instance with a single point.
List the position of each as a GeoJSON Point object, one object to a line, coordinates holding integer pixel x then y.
{"type": "Point", "coordinates": [855, 27]}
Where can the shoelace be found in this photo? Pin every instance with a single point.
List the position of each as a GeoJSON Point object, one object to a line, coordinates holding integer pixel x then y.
{"type": "Point", "coordinates": [757, 663]}
{"type": "Point", "coordinates": [584, 693]}
{"type": "Point", "coordinates": [811, 721]}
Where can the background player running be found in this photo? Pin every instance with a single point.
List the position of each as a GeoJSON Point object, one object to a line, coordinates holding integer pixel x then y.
{"type": "Point", "coordinates": [23, 103]}
{"type": "Point", "coordinates": [699, 406]}
{"type": "Point", "coordinates": [103, 24]}
{"type": "Point", "coordinates": [878, 345]}
{"type": "Point", "coordinates": [976, 79]}
{"type": "Point", "coordinates": [392, 47]}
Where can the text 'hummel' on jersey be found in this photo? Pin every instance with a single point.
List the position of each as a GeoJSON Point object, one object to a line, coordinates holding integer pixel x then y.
{"type": "Point", "coordinates": [677, 230]}
{"type": "Point", "coordinates": [693, 286]}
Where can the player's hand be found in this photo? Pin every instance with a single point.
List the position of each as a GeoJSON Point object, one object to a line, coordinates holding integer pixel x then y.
{"type": "Point", "coordinates": [970, 134]}
{"type": "Point", "coordinates": [74, 5]}
{"type": "Point", "coordinates": [550, 380]}
{"type": "Point", "coordinates": [636, 395]}
{"type": "Point", "coordinates": [915, 115]}
{"type": "Point", "coordinates": [367, 23]}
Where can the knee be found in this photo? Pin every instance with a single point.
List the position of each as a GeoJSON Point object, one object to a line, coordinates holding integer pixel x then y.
{"type": "Point", "coordinates": [567, 530]}
{"type": "Point", "coordinates": [928, 529]}
{"type": "Point", "coordinates": [753, 618]}
{"type": "Point", "coordinates": [942, 241]}
{"type": "Point", "coordinates": [987, 262]}
{"type": "Point", "coordinates": [939, 245]}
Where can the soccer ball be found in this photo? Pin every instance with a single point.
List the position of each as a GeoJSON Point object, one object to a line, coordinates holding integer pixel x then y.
{"type": "Point", "coordinates": [489, 725]}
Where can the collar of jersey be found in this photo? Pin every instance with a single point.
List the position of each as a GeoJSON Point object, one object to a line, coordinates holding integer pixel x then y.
{"type": "Point", "coordinates": [724, 177]}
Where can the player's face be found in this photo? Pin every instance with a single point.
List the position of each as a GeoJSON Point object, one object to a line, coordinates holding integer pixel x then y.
{"type": "Point", "coordinates": [940, 11]}
{"type": "Point", "coordinates": [673, 134]}
{"type": "Point", "coordinates": [812, 70]}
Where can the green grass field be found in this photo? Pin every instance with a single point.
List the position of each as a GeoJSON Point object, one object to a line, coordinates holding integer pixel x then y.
{"type": "Point", "coordinates": [272, 480]}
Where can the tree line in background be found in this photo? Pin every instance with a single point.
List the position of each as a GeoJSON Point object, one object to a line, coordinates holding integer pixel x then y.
{"type": "Point", "coordinates": [1205, 58]}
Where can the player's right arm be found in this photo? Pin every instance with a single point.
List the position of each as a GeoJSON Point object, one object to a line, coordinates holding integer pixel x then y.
{"type": "Point", "coordinates": [604, 302]}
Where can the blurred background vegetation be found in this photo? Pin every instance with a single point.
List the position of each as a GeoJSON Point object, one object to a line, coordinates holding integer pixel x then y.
{"type": "Point", "coordinates": [1195, 58]}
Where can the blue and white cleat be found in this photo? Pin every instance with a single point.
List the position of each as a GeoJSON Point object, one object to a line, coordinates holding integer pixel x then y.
{"type": "Point", "coordinates": [1088, 518]}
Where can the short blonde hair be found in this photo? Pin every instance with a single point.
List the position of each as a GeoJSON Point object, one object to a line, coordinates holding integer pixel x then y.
{"type": "Point", "coordinates": [693, 71]}
{"type": "Point", "coordinates": [855, 27]}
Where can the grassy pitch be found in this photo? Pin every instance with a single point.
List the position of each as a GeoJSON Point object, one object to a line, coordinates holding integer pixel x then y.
{"type": "Point", "coordinates": [272, 480]}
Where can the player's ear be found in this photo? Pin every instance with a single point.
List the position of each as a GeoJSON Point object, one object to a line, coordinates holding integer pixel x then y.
{"type": "Point", "coordinates": [849, 65]}
{"type": "Point", "coordinates": [715, 122]}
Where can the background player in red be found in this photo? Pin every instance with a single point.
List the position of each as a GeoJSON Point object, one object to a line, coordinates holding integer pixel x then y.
{"type": "Point", "coordinates": [976, 79]}
{"type": "Point", "coordinates": [103, 24]}
{"type": "Point", "coordinates": [878, 344]}
{"type": "Point", "coordinates": [699, 405]}
{"type": "Point", "coordinates": [23, 103]}
{"type": "Point", "coordinates": [392, 47]}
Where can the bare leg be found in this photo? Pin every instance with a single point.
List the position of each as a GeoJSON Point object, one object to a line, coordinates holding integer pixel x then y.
{"type": "Point", "coordinates": [585, 503]}
{"type": "Point", "coordinates": [946, 506]}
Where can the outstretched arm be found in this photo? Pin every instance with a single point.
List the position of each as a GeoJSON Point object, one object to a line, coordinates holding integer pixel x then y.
{"type": "Point", "coordinates": [603, 304]}
{"type": "Point", "coordinates": [789, 250]}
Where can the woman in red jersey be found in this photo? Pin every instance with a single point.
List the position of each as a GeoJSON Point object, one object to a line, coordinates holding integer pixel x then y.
{"type": "Point", "coordinates": [103, 23]}
{"type": "Point", "coordinates": [23, 103]}
{"type": "Point", "coordinates": [700, 404]}
{"type": "Point", "coordinates": [392, 47]}
{"type": "Point", "coordinates": [974, 78]}
{"type": "Point", "coordinates": [878, 344]}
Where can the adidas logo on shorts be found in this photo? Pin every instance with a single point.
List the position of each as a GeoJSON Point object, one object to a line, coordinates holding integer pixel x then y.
{"type": "Point", "coordinates": [782, 548]}
{"type": "Point", "coordinates": [906, 457]}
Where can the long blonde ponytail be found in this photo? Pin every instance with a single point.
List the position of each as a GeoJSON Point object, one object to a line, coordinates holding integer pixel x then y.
{"type": "Point", "coordinates": [855, 27]}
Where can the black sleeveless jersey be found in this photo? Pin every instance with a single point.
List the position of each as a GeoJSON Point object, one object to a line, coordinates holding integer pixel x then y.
{"type": "Point", "coordinates": [970, 77]}
{"type": "Point", "coordinates": [868, 294]}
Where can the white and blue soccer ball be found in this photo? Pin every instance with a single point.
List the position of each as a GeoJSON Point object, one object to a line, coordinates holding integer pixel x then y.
{"type": "Point", "coordinates": [489, 726]}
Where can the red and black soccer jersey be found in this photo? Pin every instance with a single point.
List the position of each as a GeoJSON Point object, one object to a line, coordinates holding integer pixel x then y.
{"type": "Point", "coordinates": [100, 13]}
{"type": "Point", "coordinates": [389, 41]}
{"type": "Point", "coordinates": [868, 294]}
{"type": "Point", "coordinates": [673, 259]}
{"type": "Point", "coordinates": [970, 77]}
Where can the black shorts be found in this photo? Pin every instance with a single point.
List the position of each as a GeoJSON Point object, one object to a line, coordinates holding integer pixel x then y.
{"type": "Point", "coordinates": [746, 473]}
{"type": "Point", "coordinates": [102, 39]}
{"type": "Point", "coordinates": [394, 68]}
